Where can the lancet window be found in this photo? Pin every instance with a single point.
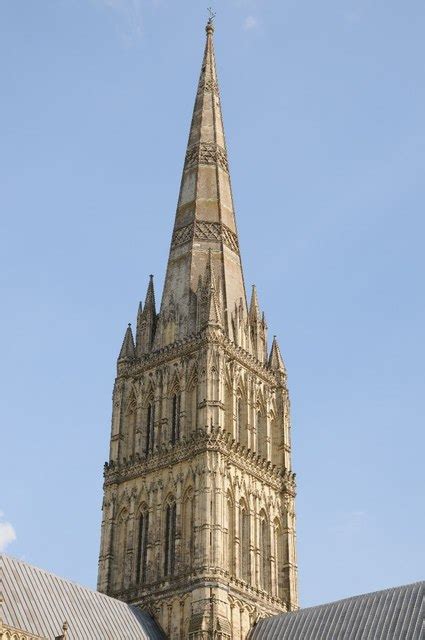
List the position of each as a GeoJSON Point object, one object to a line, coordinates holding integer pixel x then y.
{"type": "Point", "coordinates": [169, 538]}
{"type": "Point", "coordinates": [244, 536]}
{"type": "Point", "coordinates": [175, 417]}
{"type": "Point", "coordinates": [188, 528]}
{"type": "Point", "coordinates": [150, 428]}
{"type": "Point", "coordinates": [238, 419]}
{"type": "Point", "coordinates": [264, 540]}
{"type": "Point", "coordinates": [230, 535]}
{"type": "Point", "coordinates": [278, 555]}
{"type": "Point", "coordinates": [142, 545]}
{"type": "Point", "coordinates": [121, 549]}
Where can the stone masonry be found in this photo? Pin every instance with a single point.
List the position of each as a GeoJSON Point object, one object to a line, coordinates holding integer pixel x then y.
{"type": "Point", "coordinates": [198, 513]}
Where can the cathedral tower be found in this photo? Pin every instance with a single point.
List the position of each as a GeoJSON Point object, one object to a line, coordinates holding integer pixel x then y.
{"type": "Point", "coordinates": [198, 513]}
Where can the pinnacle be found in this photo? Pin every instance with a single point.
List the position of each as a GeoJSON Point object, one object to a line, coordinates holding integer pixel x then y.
{"type": "Point", "coordinates": [127, 348]}
{"type": "Point", "coordinates": [275, 359]}
{"type": "Point", "coordinates": [254, 307]}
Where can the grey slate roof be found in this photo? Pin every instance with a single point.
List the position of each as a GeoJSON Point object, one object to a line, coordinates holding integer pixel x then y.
{"type": "Point", "coordinates": [39, 602]}
{"type": "Point", "coordinates": [393, 614]}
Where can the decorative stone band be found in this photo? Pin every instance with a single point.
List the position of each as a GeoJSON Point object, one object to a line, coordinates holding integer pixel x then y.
{"type": "Point", "coordinates": [206, 153]}
{"type": "Point", "coordinates": [209, 85]}
{"type": "Point", "coordinates": [201, 230]}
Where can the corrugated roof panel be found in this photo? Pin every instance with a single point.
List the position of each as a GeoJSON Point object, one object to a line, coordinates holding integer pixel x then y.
{"type": "Point", "coordinates": [39, 602]}
{"type": "Point", "coordinates": [383, 615]}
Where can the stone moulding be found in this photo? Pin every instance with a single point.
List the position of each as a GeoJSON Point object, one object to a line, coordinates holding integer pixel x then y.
{"type": "Point", "coordinates": [198, 442]}
{"type": "Point", "coordinates": [191, 344]}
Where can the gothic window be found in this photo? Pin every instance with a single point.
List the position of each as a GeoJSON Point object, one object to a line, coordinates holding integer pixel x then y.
{"type": "Point", "coordinates": [121, 549]}
{"type": "Point", "coordinates": [238, 419]}
{"type": "Point", "coordinates": [130, 424]}
{"type": "Point", "coordinates": [150, 428]}
{"type": "Point", "coordinates": [188, 529]}
{"type": "Point", "coordinates": [261, 434]}
{"type": "Point", "coordinates": [244, 537]}
{"type": "Point", "coordinates": [264, 540]}
{"type": "Point", "coordinates": [142, 545]}
{"type": "Point", "coordinates": [278, 558]}
{"type": "Point", "coordinates": [230, 535]}
{"type": "Point", "coordinates": [191, 406]}
{"type": "Point", "coordinates": [175, 418]}
{"type": "Point", "coordinates": [277, 453]}
{"type": "Point", "coordinates": [170, 538]}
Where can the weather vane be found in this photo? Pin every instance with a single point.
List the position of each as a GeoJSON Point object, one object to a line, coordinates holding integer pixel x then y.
{"type": "Point", "coordinates": [212, 14]}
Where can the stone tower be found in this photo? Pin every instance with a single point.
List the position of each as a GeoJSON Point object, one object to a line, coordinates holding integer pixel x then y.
{"type": "Point", "coordinates": [198, 513]}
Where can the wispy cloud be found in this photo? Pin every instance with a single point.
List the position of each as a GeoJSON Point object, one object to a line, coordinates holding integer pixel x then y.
{"type": "Point", "coordinates": [7, 533]}
{"type": "Point", "coordinates": [250, 23]}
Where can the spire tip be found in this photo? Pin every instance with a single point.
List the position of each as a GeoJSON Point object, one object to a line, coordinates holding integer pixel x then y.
{"type": "Point", "coordinates": [210, 25]}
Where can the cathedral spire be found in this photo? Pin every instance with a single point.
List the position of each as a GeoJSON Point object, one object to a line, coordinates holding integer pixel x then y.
{"type": "Point", "coordinates": [205, 219]}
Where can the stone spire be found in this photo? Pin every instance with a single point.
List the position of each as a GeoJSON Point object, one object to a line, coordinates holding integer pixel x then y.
{"type": "Point", "coordinates": [127, 348]}
{"type": "Point", "coordinates": [275, 359]}
{"type": "Point", "coordinates": [205, 219]}
{"type": "Point", "coordinates": [146, 322]}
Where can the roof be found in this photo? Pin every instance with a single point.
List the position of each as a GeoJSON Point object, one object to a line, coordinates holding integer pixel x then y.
{"type": "Point", "coordinates": [39, 602]}
{"type": "Point", "coordinates": [383, 615]}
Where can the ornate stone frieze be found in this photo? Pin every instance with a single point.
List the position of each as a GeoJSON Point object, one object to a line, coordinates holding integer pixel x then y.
{"type": "Point", "coordinates": [215, 439]}
{"type": "Point", "coordinates": [203, 230]}
{"type": "Point", "coordinates": [206, 153]}
{"type": "Point", "coordinates": [209, 85]}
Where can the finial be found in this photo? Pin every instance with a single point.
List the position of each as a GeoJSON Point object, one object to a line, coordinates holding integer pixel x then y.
{"type": "Point", "coordinates": [210, 26]}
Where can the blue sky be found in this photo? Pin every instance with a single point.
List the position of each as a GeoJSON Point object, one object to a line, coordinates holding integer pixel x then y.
{"type": "Point", "coordinates": [324, 113]}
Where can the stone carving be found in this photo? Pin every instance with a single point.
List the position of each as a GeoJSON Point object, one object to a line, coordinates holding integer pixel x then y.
{"type": "Point", "coordinates": [206, 153]}
{"type": "Point", "coordinates": [202, 230]}
{"type": "Point", "coordinates": [209, 85]}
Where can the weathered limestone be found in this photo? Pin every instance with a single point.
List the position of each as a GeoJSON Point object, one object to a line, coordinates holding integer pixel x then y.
{"type": "Point", "coordinates": [198, 513]}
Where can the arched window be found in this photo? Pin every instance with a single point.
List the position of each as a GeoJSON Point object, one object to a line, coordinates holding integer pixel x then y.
{"type": "Point", "coordinates": [150, 428]}
{"type": "Point", "coordinates": [278, 558]}
{"type": "Point", "coordinates": [121, 549]}
{"type": "Point", "coordinates": [191, 406]}
{"type": "Point", "coordinates": [261, 434]}
{"type": "Point", "coordinates": [142, 545]}
{"type": "Point", "coordinates": [175, 418]}
{"type": "Point", "coordinates": [239, 411]}
{"type": "Point", "coordinates": [188, 529]}
{"type": "Point", "coordinates": [230, 535]}
{"type": "Point", "coordinates": [130, 429]}
{"type": "Point", "coordinates": [244, 537]}
{"type": "Point", "coordinates": [264, 552]}
{"type": "Point", "coordinates": [170, 538]}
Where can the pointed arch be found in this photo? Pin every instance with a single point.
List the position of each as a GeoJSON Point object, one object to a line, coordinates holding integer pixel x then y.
{"type": "Point", "coordinates": [230, 543]}
{"type": "Point", "coordinates": [191, 401]}
{"type": "Point", "coordinates": [169, 535]}
{"type": "Point", "coordinates": [142, 543]}
{"type": "Point", "coordinates": [241, 415]}
{"type": "Point", "coordinates": [264, 544]}
{"type": "Point", "coordinates": [244, 541]}
{"type": "Point", "coordinates": [120, 550]}
{"type": "Point", "coordinates": [130, 417]}
{"type": "Point", "coordinates": [278, 557]}
{"type": "Point", "coordinates": [188, 533]}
